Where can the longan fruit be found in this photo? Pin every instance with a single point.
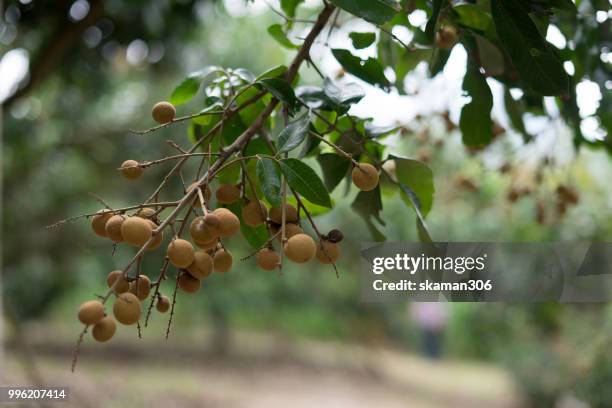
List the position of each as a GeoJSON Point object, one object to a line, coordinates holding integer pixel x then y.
{"type": "Point", "coordinates": [180, 253]}
{"type": "Point", "coordinates": [163, 112]}
{"type": "Point", "coordinates": [291, 214]}
{"type": "Point", "coordinates": [254, 213]}
{"type": "Point", "coordinates": [268, 259]}
{"type": "Point", "coordinates": [98, 222]}
{"type": "Point", "coordinates": [127, 308]}
{"type": "Point", "coordinates": [328, 252]}
{"type": "Point", "coordinates": [211, 220]}
{"type": "Point", "coordinates": [104, 330]}
{"type": "Point", "coordinates": [136, 231]}
{"type": "Point", "coordinates": [446, 37]}
{"type": "Point", "coordinates": [291, 229]}
{"type": "Point", "coordinates": [222, 261]}
{"type": "Point", "coordinates": [188, 283]}
{"type": "Point", "coordinates": [206, 245]}
{"type": "Point", "coordinates": [163, 304]}
{"type": "Point", "coordinates": [300, 248]}
{"type": "Point", "coordinates": [365, 177]}
{"type": "Point", "coordinates": [202, 265]}
{"type": "Point", "coordinates": [91, 312]}
{"type": "Point", "coordinates": [113, 228]}
{"type": "Point", "coordinates": [229, 224]}
{"type": "Point", "coordinates": [131, 169]}
{"type": "Point", "coordinates": [146, 212]}
{"type": "Point", "coordinates": [201, 232]}
{"type": "Point", "coordinates": [144, 287]}
{"type": "Point", "coordinates": [122, 286]}
{"type": "Point", "coordinates": [227, 193]}
{"type": "Point", "coordinates": [157, 238]}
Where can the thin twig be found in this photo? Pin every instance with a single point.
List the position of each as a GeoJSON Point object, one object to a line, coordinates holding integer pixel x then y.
{"type": "Point", "coordinates": [177, 120]}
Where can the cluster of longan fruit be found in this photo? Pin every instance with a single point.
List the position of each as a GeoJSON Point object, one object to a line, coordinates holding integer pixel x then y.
{"type": "Point", "coordinates": [206, 253]}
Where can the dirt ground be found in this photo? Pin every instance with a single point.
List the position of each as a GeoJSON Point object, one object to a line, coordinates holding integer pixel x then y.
{"type": "Point", "coordinates": [259, 371]}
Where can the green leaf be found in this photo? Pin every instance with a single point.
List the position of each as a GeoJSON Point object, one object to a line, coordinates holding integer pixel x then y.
{"type": "Point", "coordinates": [491, 57]}
{"type": "Point", "coordinates": [374, 11]}
{"type": "Point", "coordinates": [331, 97]}
{"type": "Point", "coordinates": [305, 181]}
{"type": "Point", "coordinates": [566, 5]}
{"type": "Point", "coordinates": [281, 90]}
{"type": "Point", "coordinates": [362, 40]}
{"type": "Point", "coordinates": [289, 6]}
{"type": "Point", "coordinates": [257, 146]}
{"type": "Point", "coordinates": [230, 174]}
{"type": "Point", "coordinates": [417, 177]}
{"type": "Point", "coordinates": [276, 31]}
{"type": "Point", "coordinates": [342, 97]}
{"type": "Point", "coordinates": [334, 168]}
{"type": "Point", "coordinates": [430, 28]}
{"type": "Point", "coordinates": [439, 57]}
{"type": "Point", "coordinates": [515, 110]}
{"type": "Point", "coordinates": [273, 72]}
{"type": "Point", "coordinates": [368, 204]}
{"type": "Point", "coordinates": [269, 180]}
{"type": "Point", "coordinates": [370, 70]}
{"type": "Point", "coordinates": [475, 121]}
{"type": "Point", "coordinates": [232, 129]}
{"type": "Point", "coordinates": [190, 86]}
{"type": "Point", "coordinates": [534, 59]}
{"type": "Point", "coordinates": [294, 134]}
{"type": "Point", "coordinates": [473, 16]}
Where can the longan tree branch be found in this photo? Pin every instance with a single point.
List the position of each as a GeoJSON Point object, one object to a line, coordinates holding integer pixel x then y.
{"type": "Point", "coordinates": [236, 146]}
{"type": "Point", "coordinates": [225, 153]}
{"type": "Point", "coordinates": [160, 206]}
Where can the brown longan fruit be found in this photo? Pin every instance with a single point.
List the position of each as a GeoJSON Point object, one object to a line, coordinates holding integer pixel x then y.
{"type": "Point", "coordinates": [91, 312]}
{"type": "Point", "coordinates": [300, 248]}
{"type": "Point", "coordinates": [144, 287]}
{"type": "Point", "coordinates": [446, 37]}
{"type": "Point", "coordinates": [201, 232]}
{"type": "Point", "coordinates": [122, 286]}
{"type": "Point", "coordinates": [291, 229]}
{"type": "Point", "coordinates": [163, 112]}
{"type": "Point", "coordinates": [222, 261]}
{"type": "Point", "coordinates": [365, 177]}
{"type": "Point", "coordinates": [328, 252]}
{"type": "Point", "coordinates": [131, 169]}
{"type": "Point", "coordinates": [180, 253]}
{"type": "Point", "coordinates": [202, 265]}
{"type": "Point", "coordinates": [113, 228]}
{"type": "Point", "coordinates": [157, 238]}
{"type": "Point", "coordinates": [188, 283]}
{"type": "Point", "coordinates": [127, 308]}
{"type": "Point", "coordinates": [211, 220]}
{"type": "Point", "coordinates": [207, 245]}
{"type": "Point", "coordinates": [163, 304]}
{"type": "Point", "coordinates": [104, 330]}
{"type": "Point", "coordinates": [98, 222]}
{"type": "Point", "coordinates": [136, 231]}
{"type": "Point", "coordinates": [254, 213]}
{"type": "Point", "coordinates": [229, 224]}
{"type": "Point", "coordinates": [268, 259]}
{"type": "Point", "coordinates": [291, 214]}
{"type": "Point", "coordinates": [147, 212]}
{"type": "Point", "coordinates": [228, 193]}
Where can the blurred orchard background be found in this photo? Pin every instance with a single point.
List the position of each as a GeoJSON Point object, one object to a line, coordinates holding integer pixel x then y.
{"type": "Point", "coordinates": [75, 76]}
